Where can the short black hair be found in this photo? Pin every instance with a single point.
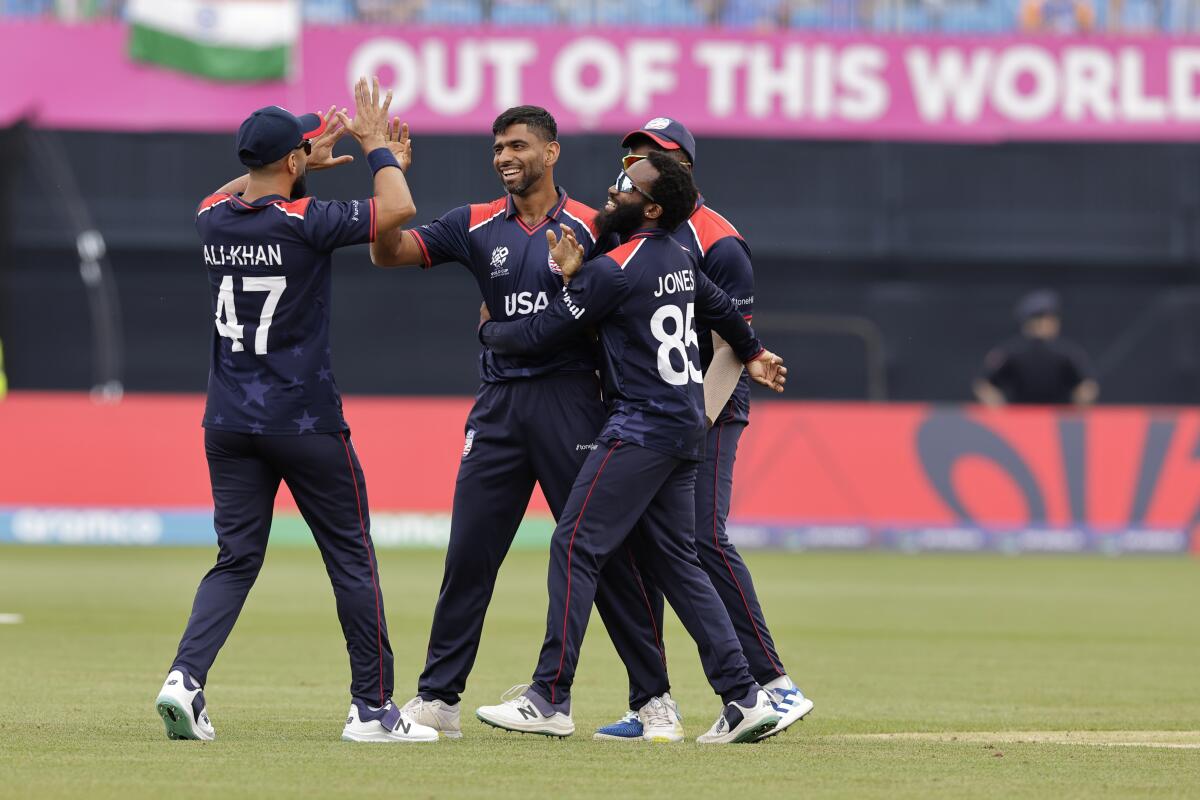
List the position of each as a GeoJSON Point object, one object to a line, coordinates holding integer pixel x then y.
{"type": "Point", "coordinates": [535, 118]}
{"type": "Point", "coordinates": [674, 190]}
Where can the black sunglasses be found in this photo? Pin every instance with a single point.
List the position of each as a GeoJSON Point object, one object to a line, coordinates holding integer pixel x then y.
{"type": "Point", "coordinates": [306, 144]}
{"type": "Point", "coordinates": [624, 184]}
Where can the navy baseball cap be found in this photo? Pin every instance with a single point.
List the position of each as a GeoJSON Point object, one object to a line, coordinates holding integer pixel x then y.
{"type": "Point", "coordinates": [1037, 304]}
{"type": "Point", "coordinates": [271, 133]}
{"type": "Point", "coordinates": [667, 134]}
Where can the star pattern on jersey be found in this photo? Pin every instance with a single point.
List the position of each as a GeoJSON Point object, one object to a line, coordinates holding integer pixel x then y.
{"type": "Point", "coordinates": [256, 427]}
{"type": "Point", "coordinates": [297, 351]}
{"type": "Point", "coordinates": [657, 405]}
{"type": "Point", "coordinates": [679, 443]}
{"type": "Point", "coordinates": [226, 359]}
{"type": "Point", "coordinates": [323, 374]}
{"type": "Point", "coordinates": [218, 420]}
{"type": "Point", "coordinates": [296, 382]}
{"type": "Point", "coordinates": [306, 423]}
{"type": "Point", "coordinates": [256, 392]}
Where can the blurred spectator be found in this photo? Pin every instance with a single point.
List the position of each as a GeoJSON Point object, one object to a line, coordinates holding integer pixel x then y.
{"type": "Point", "coordinates": [1058, 16]}
{"type": "Point", "coordinates": [754, 13]}
{"type": "Point", "coordinates": [1037, 366]}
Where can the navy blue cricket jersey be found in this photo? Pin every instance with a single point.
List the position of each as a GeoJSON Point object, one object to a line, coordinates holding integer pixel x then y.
{"type": "Point", "coordinates": [269, 271]}
{"type": "Point", "coordinates": [516, 276]}
{"type": "Point", "coordinates": [725, 259]}
{"type": "Point", "coordinates": [644, 298]}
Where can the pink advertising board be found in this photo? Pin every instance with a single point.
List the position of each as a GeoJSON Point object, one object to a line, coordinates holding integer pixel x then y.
{"type": "Point", "coordinates": [781, 85]}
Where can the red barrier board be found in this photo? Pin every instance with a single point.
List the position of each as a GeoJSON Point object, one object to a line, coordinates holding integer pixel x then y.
{"type": "Point", "coordinates": [856, 464]}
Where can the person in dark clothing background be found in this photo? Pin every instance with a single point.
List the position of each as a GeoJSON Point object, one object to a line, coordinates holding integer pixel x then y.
{"type": "Point", "coordinates": [1037, 367]}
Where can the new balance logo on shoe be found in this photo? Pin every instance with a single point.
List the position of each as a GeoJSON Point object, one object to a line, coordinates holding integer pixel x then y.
{"type": "Point", "coordinates": [527, 712]}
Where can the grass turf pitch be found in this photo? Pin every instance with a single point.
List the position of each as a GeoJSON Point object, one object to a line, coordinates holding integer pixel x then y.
{"type": "Point", "coordinates": [883, 643]}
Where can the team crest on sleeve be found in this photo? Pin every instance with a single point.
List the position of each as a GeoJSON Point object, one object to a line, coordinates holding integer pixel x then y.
{"type": "Point", "coordinates": [656, 124]}
{"type": "Point", "coordinates": [499, 256]}
{"type": "Point", "coordinates": [469, 443]}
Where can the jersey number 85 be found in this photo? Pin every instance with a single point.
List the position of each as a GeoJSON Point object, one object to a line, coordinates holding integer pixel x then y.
{"type": "Point", "coordinates": [681, 337]}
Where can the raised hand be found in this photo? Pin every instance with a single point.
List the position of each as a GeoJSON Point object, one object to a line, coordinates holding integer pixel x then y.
{"type": "Point", "coordinates": [768, 369]}
{"type": "Point", "coordinates": [370, 124]}
{"type": "Point", "coordinates": [399, 143]}
{"type": "Point", "coordinates": [322, 147]}
{"type": "Point", "coordinates": [566, 252]}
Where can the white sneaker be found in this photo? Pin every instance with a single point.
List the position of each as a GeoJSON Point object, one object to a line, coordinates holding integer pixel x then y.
{"type": "Point", "coordinates": [789, 701]}
{"type": "Point", "coordinates": [740, 723]}
{"type": "Point", "coordinates": [660, 720]}
{"type": "Point", "coordinates": [523, 710]}
{"type": "Point", "coordinates": [386, 724]}
{"type": "Point", "coordinates": [441, 716]}
{"type": "Point", "coordinates": [182, 707]}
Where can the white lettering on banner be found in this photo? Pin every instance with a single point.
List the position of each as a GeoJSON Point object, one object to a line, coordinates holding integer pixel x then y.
{"type": "Point", "coordinates": [860, 70]}
{"type": "Point", "coordinates": [949, 79]}
{"type": "Point", "coordinates": [651, 72]}
{"type": "Point", "coordinates": [596, 55]}
{"type": "Point", "coordinates": [425, 75]}
{"type": "Point", "coordinates": [1007, 95]}
{"type": "Point", "coordinates": [87, 526]}
{"type": "Point", "coordinates": [721, 61]}
{"type": "Point", "coordinates": [1135, 105]}
{"type": "Point", "coordinates": [1088, 76]}
{"type": "Point", "coordinates": [589, 77]}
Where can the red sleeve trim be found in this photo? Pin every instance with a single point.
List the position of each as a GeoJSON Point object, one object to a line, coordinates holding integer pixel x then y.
{"type": "Point", "coordinates": [761, 350]}
{"type": "Point", "coordinates": [424, 250]}
{"type": "Point", "coordinates": [748, 317]}
{"type": "Point", "coordinates": [482, 212]}
{"type": "Point", "coordinates": [711, 227]}
{"type": "Point", "coordinates": [297, 208]}
{"type": "Point", "coordinates": [372, 202]}
{"type": "Point", "coordinates": [211, 201]}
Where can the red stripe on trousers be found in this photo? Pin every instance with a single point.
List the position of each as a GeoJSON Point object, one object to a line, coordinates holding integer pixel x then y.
{"type": "Point", "coordinates": [570, 548]}
{"type": "Point", "coordinates": [721, 550]}
{"type": "Point", "coordinates": [637, 576]}
{"type": "Point", "coordinates": [362, 526]}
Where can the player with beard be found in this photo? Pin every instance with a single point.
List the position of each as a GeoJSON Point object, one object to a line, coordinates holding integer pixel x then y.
{"type": "Point", "coordinates": [724, 257]}
{"type": "Point", "coordinates": [535, 419]}
{"type": "Point", "coordinates": [642, 298]}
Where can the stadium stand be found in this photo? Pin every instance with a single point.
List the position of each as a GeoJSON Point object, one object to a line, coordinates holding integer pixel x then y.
{"type": "Point", "coordinates": [975, 17]}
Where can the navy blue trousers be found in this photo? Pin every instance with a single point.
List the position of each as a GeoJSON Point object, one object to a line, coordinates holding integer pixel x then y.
{"type": "Point", "coordinates": [518, 433]}
{"type": "Point", "coordinates": [622, 487]}
{"type": "Point", "coordinates": [721, 560]}
{"type": "Point", "coordinates": [325, 478]}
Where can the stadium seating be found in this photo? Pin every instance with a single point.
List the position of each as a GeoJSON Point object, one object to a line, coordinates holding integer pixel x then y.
{"type": "Point", "coordinates": [964, 17]}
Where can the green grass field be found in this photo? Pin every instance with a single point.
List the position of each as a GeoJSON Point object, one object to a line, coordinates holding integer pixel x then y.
{"type": "Point", "coordinates": [885, 644]}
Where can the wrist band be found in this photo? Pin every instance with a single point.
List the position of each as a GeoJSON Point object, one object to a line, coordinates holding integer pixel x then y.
{"type": "Point", "coordinates": [381, 157]}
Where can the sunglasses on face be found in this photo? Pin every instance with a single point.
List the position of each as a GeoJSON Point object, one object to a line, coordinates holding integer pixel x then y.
{"type": "Point", "coordinates": [629, 160]}
{"type": "Point", "coordinates": [625, 185]}
{"type": "Point", "coordinates": [306, 145]}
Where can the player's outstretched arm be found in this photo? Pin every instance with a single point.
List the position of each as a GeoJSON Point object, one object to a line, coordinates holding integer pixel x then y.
{"type": "Point", "coordinates": [393, 202]}
{"type": "Point", "coordinates": [721, 378]}
{"type": "Point", "coordinates": [395, 247]}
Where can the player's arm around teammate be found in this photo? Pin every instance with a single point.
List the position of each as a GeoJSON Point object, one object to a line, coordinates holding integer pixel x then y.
{"type": "Point", "coordinates": [598, 287]}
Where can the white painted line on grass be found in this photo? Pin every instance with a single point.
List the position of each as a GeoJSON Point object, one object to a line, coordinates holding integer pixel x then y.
{"type": "Point", "coordinates": [1182, 740]}
{"type": "Point", "coordinates": [11, 619]}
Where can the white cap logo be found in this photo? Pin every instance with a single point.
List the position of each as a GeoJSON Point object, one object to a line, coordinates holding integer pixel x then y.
{"type": "Point", "coordinates": [656, 124]}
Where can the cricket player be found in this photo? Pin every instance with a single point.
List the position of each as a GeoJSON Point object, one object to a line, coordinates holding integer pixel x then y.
{"type": "Point", "coordinates": [274, 411]}
{"type": "Point", "coordinates": [724, 258]}
{"type": "Point", "coordinates": [642, 298]}
{"type": "Point", "coordinates": [535, 418]}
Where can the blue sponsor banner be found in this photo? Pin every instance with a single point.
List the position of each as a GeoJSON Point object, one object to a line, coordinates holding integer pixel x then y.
{"type": "Point", "coordinates": [960, 539]}
{"type": "Point", "coordinates": [194, 527]}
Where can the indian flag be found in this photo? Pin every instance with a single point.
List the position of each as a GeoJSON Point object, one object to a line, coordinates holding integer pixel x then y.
{"type": "Point", "coordinates": [232, 40]}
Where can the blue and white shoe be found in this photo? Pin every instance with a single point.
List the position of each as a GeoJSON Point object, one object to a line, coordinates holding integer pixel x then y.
{"type": "Point", "coordinates": [657, 721]}
{"type": "Point", "coordinates": [181, 705]}
{"type": "Point", "coordinates": [791, 703]}
{"type": "Point", "coordinates": [627, 729]}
